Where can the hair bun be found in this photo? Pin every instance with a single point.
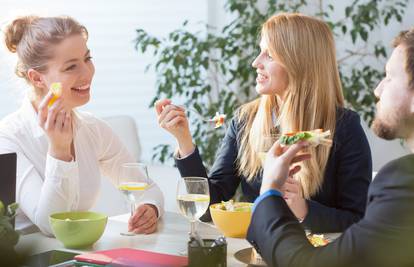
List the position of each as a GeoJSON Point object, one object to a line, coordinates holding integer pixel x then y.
{"type": "Point", "coordinates": [14, 31]}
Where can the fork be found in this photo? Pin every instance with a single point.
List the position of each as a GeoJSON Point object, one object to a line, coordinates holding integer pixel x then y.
{"type": "Point", "coordinates": [195, 112]}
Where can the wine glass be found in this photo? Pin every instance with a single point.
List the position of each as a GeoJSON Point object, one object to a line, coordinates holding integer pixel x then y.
{"type": "Point", "coordinates": [263, 145]}
{"type": "Point", "coordinates": [132, 182]}
{"type": "Point", "coordinates": [193, 198]}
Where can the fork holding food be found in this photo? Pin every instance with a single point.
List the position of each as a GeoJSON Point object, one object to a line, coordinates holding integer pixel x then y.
{"type": "Point", "coordinates": [173, 119]}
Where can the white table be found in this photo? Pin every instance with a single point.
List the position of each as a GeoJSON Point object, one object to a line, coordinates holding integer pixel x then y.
{"type": "Point", "coordinates": [171, 237]}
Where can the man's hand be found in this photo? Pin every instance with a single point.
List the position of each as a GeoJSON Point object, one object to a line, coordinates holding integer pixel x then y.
{"type": "Point", "coordinates": [278, 166]}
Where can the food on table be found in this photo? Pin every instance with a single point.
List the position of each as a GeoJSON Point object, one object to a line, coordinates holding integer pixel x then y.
{"type": "Point", "coordinates": [56, 89]}
{"type": "Point", "coordinates": [256, 258]}
{"type": "Point", "coordinates": [317, 240]}
{"type": "Point", "coordinates": [235, 206]}
{"type": "Point", "coordinates": [314, 137]}
{"type": "Point", "coordinates": [232, 218]}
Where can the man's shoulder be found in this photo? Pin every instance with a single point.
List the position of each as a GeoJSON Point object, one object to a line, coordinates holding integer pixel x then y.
{"type": "Point", "coordinates": [397, 173]}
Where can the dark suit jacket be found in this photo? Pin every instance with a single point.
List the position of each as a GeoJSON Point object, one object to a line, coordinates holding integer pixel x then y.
{"type": "Point", "coordinates": [384, 237]}
{"type": "Point", "coordinates": [342, 198]}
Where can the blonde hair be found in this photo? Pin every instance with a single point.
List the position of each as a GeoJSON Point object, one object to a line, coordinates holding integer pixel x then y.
{"type": "Point", "coordinates": [305, 47]}
{"type": "Point", "coordinates": [31, 36]}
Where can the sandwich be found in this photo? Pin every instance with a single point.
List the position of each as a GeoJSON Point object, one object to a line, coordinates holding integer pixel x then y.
{"type": "Point", "coordinates": [314, 137]}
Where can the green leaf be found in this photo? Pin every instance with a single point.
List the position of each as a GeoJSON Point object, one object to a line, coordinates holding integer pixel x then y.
{"type": "Point", "coordinates": [364, 35]}
{"type": "Point", "coordinates": [348, 11]}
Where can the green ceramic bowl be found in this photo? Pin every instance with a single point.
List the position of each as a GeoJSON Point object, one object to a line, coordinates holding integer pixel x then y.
{"type": "Point", "coordinates": [78, 229]}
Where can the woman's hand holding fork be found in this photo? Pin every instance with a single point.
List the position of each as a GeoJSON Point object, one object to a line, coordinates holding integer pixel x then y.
{"type": "Point", "coordinates": [173, 119]}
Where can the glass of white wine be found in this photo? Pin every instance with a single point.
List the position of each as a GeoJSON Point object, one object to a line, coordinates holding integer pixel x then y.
{"type": "Point", "coordinates": [264, 145]}
{"type": "Point", "coordinates": [132, 182]}
{"type": "Point", "coordinates": [193, 198]}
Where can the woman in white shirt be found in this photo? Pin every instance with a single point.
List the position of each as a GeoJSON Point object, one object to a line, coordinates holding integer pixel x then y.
{"type": "Point", "coordinates": [62, 152]}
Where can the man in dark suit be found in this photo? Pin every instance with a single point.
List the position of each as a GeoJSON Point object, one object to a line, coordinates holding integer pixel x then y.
{"type": "Point", "coordinates": [385, 235]}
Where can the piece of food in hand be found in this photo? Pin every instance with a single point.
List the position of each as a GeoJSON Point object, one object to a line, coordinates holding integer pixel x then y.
{"type": "Point", "coordinates": [56, 89]}
{"type": "Point", "coordinates": [317, 240]}
{"type": "Point", "coordinates": [315, 137]}
{"type": "Point", "coordinates": [219, 119]}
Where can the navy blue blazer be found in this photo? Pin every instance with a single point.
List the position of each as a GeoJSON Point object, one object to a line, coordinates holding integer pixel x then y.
{"type": "Point", "coordinates": [384, 237]}
{"type": "Point", "coordinates": [341, 200]}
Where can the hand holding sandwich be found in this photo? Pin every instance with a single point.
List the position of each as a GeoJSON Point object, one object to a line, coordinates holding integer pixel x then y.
{"type": "Point", "coordinates": [279, 164]}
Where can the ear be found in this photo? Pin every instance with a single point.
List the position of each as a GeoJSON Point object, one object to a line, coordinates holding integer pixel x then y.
{"type": "Point", "coordinates": [36, 78]}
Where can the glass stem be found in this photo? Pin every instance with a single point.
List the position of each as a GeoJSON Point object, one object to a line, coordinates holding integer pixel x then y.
{"type": "Point", "coordinates": [132, 208]}
{"type": "Point", "coordinates": [192, 229]}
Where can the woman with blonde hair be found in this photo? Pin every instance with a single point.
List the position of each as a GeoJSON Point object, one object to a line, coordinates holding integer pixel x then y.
{"type": "Point", "coordinates": [61, 152]}
{"type": "Point", "coordinates": [299, 84]}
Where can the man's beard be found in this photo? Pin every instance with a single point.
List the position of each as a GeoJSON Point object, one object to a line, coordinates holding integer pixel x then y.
{"type": "Point", "coordinates": [383, 130]}
{"type": "Point", "coordinates": [393, 126]}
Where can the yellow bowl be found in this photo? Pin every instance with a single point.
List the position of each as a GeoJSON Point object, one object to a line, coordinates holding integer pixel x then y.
{"type": "Point", "coordinates": [231, 223]}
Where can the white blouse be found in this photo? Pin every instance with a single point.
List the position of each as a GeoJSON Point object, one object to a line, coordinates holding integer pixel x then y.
{"type": "Point", "coordinates": [46, 185]}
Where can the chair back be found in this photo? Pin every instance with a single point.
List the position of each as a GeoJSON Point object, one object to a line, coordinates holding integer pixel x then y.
{"type": "Point", "coordinates": [125, 128]}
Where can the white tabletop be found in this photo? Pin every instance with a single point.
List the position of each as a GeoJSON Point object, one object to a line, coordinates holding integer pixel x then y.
{"type": "Point", "coordinates": [171, 237]}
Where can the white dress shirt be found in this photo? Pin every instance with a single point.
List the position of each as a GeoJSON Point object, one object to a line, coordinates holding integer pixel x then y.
{"type": "Point", "coordinates": [45, 184]}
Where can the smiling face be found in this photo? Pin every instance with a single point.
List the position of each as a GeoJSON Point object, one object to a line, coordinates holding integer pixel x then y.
{"type": "Point", "coordinates": [395, 108]}
{"type": "Point", "coordinates": [71, 65]}
{"type": "Point", "coordinates": [272, 77]}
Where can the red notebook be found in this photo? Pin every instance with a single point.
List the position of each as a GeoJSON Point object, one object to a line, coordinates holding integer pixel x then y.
{"type": "Point", "coordinates": [128, 257]}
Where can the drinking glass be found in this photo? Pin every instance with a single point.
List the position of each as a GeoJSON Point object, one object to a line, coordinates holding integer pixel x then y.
{"type": "Point", "coordinates": [264, 145]}
{"type": "Point", "coordinates": [132, 182]}
{"type": "Point", "coordinates": [193, 199]}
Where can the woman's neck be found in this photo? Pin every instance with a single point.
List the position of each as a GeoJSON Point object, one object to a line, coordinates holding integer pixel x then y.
{"type": "Point", "coordinates": [279, 100]}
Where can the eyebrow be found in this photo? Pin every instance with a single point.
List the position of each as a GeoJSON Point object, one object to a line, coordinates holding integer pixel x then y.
{"type": "Point", "coordinates": [75, 59]}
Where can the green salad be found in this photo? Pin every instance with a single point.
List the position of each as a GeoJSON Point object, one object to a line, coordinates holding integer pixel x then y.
{"type": "Point", "coordinates": [235, 206]}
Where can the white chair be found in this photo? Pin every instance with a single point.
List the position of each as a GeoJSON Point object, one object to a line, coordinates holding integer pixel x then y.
{"type": "Point", "coordinates": [125, 127]}
{"type": "Point", "coordinates": [166, 178]}
{"type": "Point", "coordinates": [111, 201]}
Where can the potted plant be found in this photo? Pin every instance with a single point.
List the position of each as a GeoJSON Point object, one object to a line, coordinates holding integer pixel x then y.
{"type": "Point", "coordinates": [211, 71]}
{"type": "Point", "coordinates": [8, 236]}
